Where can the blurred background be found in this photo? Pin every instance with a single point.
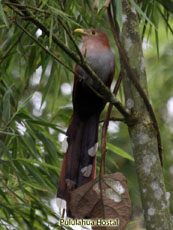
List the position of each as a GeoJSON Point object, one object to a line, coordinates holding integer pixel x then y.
{"type": "Point", "coordinates": [36, 106]}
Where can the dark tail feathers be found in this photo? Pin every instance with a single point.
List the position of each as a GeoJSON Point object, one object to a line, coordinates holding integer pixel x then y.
{"type": "Point", "coordinates": [79, 164]}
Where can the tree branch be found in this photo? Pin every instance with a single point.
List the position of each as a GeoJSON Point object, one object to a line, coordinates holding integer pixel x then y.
{"type": "Point", "coordinates": [55, 57]}
{"type": "Point", "coordinates": [136, 83]}
{"type": "Point", "coordinates": [143, 134]}
{"type": "Point", "coordinates": [103, 90]}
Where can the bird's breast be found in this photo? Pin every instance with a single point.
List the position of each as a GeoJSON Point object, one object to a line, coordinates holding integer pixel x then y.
{"type": "Point", "coordinates": [103, 64]}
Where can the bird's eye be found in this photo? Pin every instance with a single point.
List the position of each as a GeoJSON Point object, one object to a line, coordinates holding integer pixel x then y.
{"type": "Point", "coordinates": [93, 32]}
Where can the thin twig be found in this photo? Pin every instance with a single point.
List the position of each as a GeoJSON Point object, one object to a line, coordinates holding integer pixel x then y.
{"type": "Point", "coordinates": [114, 119]}
{"type": "Point", "coordinates": [103, 139]}
{"type": "Point", "coordinates": [105, 128]}
{"type": "Point", "coordinates": [16, 11]}
{"type": "Point", "coordinates": [27, 6]}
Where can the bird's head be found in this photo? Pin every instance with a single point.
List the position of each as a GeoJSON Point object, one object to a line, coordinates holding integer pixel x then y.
{"type": "Point", "coordinates": [93, 38]}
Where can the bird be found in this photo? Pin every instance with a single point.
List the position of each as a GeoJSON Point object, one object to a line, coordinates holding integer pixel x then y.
{"type": "Point", "coordinates": [79, 163]}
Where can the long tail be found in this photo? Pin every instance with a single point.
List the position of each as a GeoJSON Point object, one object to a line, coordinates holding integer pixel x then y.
{"type": "Point", "coordinates": [79, 164]}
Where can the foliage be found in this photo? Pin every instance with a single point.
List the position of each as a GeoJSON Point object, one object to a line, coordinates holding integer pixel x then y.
{"type": "Point", "coordinates": [35, 110]}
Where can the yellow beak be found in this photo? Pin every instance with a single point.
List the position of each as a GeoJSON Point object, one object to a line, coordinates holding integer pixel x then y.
{"type": "Point", "coordinates": [80, 31]}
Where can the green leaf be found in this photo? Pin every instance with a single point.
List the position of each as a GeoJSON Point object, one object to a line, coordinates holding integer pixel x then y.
{"type": "Point", "coordinates": [166, 18]}
{"type": "Point", "coordinates": [35, 186]}
{"type": "Point", "coordinates": [50, 148]}
{"type": "Point", "coordinates": [6, 106]}
{"type": "Point", "coordinates": [57, 87]}
{"type": "Point", "coordinates": [51, 32]}
{"type": "Point", "coordinates": [37, 176]}
{"type": "Point", "coordinates": [155, 17]}
{"type": "Point", "coordinates": [119, 151]}
{"type": "Point", "coordinates": [45, 62]}
{"type": "Point", "coordinates": [31, 64]}
{"type": "Point", "coordinates": [119, 13]}
{"type": "Point", "coordinates": [2, 26]}
{"type": "Point", "coordinates": [44, 2]}
{"type": "Point", "coordinates": [65, 16]}
{"type": "Point", "coordinates": [168, 4]}
{"type": "Point", "coordinates": [100, 5]}
{"type": "Point", "coordinates": [31, 161]}
{"type": "Point", "coordinates": [8, 133]}
{"type": "Point", "coordinates": [3, 15]}
{"type": "Point", "coordinates": [23, 104]}
{"type": "Point", "coordinates": [23, 115]}
{"type": "Point", "coordinates": [109, 161]}
{"type": "Point", "coordinates": [149, 9]}
{"type": "Point", "coordinates": [49, 83]}
{"type": "Point", "coordinates": [4, 150]}
{"type": "Point", "coordinates": [138, 9]}
{"type": "Point", "coordinates": [29, 143]}
{"type": "Point", "coordinates": [47, 124]}
{"type": "Point", "coordinates": [4, 195]}
{"type": "Point", "coordinates": [157, 42]}
{"type": "Point", "coordinates": [21, 170]}
{"type": "Point", "coordinates": [145, 5]}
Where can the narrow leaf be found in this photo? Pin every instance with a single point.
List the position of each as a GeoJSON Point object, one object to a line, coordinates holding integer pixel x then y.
{"type": "Point", "coordinates": [63, 15]}
{"type": "Point", "coordinates": [138, 9]}
{"type": "Point", "coordinates": [31, 64]}
{"type": "Point", "coordinates": [51, 32]}
{"type": "Point", "coordinates": [119, 152]}
{"type": "Point", "coordinates": [36, 175]}
{"type": "Point", "coordinates": [119, 12]}
{"type": "Point", "coordinates": [3, 15]}
{"type": "Point", "coordinates": [6, 106]}
{"type": "Point", "coordinates": [57, 87]}
{"type": "Point", "coordinates": [23, 104]}
{"type": "Point", "coordinates": [168, 4]}
{"type": "Point", "coordinates": [49, 83]}
{"type": "Point", "coordinates": [100, 5]}
{"type": "Point", "coordinates": [50, 148]}
{"type": "Point", "coordinates": [35, 186]}
{"type": "Point", "coordinates": [32, 162]}
{"type": "Point", "coordinates": [8, 133]}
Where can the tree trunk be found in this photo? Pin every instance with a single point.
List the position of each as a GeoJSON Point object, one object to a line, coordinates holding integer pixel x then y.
{"type": "Point", "coordinates": [143, 135]}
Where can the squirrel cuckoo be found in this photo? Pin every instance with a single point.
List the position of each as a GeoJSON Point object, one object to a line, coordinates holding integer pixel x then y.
{"type": "Point", "coordinates": [79, 164]}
